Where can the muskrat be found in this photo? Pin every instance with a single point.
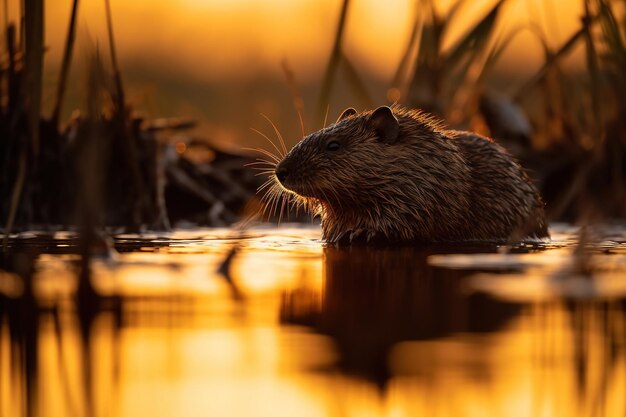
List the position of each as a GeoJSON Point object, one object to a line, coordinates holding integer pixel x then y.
{"type": "Point", "coordinates": [397, 175]}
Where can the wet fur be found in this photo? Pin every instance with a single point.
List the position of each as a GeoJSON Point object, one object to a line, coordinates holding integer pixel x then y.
{"type": "Point", "coordinates": [429, 185]}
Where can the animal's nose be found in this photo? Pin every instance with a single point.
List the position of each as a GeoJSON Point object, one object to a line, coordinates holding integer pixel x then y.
{"type": "Point", "coordinates": [281, 173]}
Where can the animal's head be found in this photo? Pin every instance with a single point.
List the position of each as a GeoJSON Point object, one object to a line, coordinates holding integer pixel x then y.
{"type": "Point", "coordinates": [338, 162]}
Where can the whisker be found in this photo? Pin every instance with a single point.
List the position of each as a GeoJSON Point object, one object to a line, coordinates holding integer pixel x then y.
{"type": "Point", "coordinates": [280, 137]}
{"type": "Point", "coordinates": [282, 208]}
{"type": "Point", "coordinates": [266, 163]}
{"type": "Point", "coordinates": [268, 181]}
{"type": "Point", "coordinates": [264, 152]}
{"type": "Point", "coordinates": [280, 153]}
{"type": "Point", "coordinates": [269, 195]}
{"type": "Point", "coordinates": [243, 225]}
{"type": "Point", "coordinates": [266, 195]}
{"type": "Point", "coordinates": [270, 169]}
{"type": "Point", "coordinates": [264, 173]}
{"type": "Point", "coordinates": [265, 185]}
{"type": "Point", "coordinates": [276, 201]}
{"type": "Point", "coordinates": [274, 204]}
{"type": "Point", "coordinates": [293, 206]}
{"type": "Point", "coordinates": [260, 163]}
{"type": "Point", "coordinates": [279, 198]}
{"type": "Point", "coordinates": [266, 214]}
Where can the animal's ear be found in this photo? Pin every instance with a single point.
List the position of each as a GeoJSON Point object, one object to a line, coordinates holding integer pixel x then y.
{"type": "Point", "coordinates": [386, 125]}
{"type": "Point", "coordinates": [346, 113]}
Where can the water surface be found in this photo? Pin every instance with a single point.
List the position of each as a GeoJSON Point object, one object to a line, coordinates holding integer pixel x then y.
{"type": "Point", "coordinates": [289, 327]}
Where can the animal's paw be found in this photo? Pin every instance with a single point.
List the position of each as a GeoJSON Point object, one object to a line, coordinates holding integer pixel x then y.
{"type": "Point", "coordinates": [361, 235]}
{"type": "Point", "coordinates": [354, 234]}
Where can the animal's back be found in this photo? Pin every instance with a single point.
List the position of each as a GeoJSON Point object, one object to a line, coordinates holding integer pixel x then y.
{"type": "Point", "coordinates": [501, 190]}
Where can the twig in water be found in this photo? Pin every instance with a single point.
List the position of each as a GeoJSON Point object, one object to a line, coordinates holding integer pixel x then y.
{"type": "Point", "coordinates": [224, 271]}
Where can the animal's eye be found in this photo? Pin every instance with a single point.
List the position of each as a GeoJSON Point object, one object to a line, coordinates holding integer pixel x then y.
{"type": "Point", "coordinates": [333, 145]}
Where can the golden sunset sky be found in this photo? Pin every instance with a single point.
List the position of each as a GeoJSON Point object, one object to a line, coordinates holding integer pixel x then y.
{"type": "Point", "coordinates": [211, 59]}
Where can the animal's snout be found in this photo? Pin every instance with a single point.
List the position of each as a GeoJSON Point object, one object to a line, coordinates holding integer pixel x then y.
{"type": "Point", "coordinates": [281, 173]}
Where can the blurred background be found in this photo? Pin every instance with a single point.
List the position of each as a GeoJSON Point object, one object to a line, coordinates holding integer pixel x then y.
{"type": "Point", "coordinates": [222, 62]}
{"type": "Point", "coordinates": [544, 78]}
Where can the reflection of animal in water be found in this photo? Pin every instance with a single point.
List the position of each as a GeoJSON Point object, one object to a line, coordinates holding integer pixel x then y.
{"type": "Point", "coordinates": [375, 298]}
{"type": "Point", "coordinates": [394, 175]}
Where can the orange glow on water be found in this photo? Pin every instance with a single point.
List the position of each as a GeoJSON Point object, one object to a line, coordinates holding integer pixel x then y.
{"type": "Point", "coordinates": [309, 331]}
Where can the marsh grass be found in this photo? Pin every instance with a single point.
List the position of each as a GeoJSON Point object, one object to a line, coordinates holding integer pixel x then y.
{"type": "Point", "coordinates": [43, 159]}
{"type": "Point", "coordinates": [568, 127]}
{"type": "Point", "coordinates": [339, 60]}
{"type": "Point", "coordinates": [586, 113]}
{"type": "Point", "coordinates": [333, 62]}
{"type": "Point", "coordinates": [27, 137]}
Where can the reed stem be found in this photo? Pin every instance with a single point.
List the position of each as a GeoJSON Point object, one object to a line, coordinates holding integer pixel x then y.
{"type": "Point", "coordinates": [65, 65]}
{"type": "Point", "coordinates": [333, 63]}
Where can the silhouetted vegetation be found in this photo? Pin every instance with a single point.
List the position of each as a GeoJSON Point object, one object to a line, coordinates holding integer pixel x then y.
{"type": "Point", "coordinates": [568, 128]}
{"type": "Point", "coordinates": [106, 167]}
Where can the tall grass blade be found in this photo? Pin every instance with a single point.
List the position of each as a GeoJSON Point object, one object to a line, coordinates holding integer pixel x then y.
{"type": "Point", "coordinates": [22, 26]}
{"type": "Point", "coordinates": [142, 204]}
{"type": "Point", "coordinates": [615, 56]}
{"type": "Point", "coordinates": [594, 71]}
{"type": "Point", "coordinates": [551, 61]}
{"type": "Point", "coordinates": [12, 87]}
{"type": "Point", "coordinates": [425, 84]}
{"type": "Point", "coordinates": [333, 63]}
{"type": "Point", "coordinates": [33, 67]}
{"type": "Point", "coordinates": [296, 95]}
{"type": "Point", "coordinates": [5, 20]}
{"type": "Point", "coordinates": [5, 34]}
{"type": "Point", "coordinates": [403, 67]}
{"type": "Point", "coordinates": [476, 39]}
{"type": "Point", "coordinates": [502, 44]}
{"type": "Point", "coordinates": [33, 11]}
{"type": "Point", "coordinates": [117, 75]}
{"type": "Point", "coordinates": [91, 157]}
{"type": "Point", "coordinates": [454, 9]}
{"type": "Point", "coordinates": [65, 65]}
{"type": "Point", "coordinates": [610, 27]}
{"type": "Point", "coordinates": [358, 86]}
